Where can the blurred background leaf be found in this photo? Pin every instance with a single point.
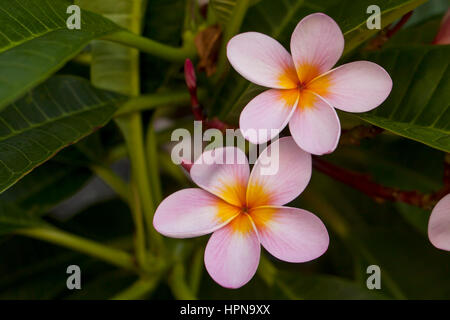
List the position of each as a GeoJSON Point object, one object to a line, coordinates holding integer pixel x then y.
{"type": "Point", "coordinates": [57, 113]}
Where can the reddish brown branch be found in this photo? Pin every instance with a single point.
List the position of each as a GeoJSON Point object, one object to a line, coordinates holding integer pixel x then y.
{"type": "Point", "coordinates": [197, 110]}
{"type": "Point", "coordinates": [365, 184]}
{"type": "Point", "coordinates": [391, 31]}
{"type": "Point", "coordinates": [377, 42]}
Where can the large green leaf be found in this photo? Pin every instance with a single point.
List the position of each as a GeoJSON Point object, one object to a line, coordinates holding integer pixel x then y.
{"type": "Point", "coordinates": [114, 66]}
{"type": "Point", "coordinates": [352, 17]}
{"type": "Point", "coordinates": [54, 115]}
{"type": "Point", "coordinates": [418, 106]}
{"type": "Point", "coordinates": [35, 42]}
{"type": "Point", "coordinates": [223, 9]}
{"type": "Point", "coordinates": [279, 18]}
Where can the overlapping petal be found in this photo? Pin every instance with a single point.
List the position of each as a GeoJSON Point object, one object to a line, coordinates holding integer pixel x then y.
{"type": "Point", "coordinates": [224, 172]}
{"type": "Point", "coordinates": [315, 125]}
{"type": "Point", "coordinates": [280, 174]}
{"type": "Point", "coordinates": [317, 44]}
{"type": "Point", "coordinates": [290, 234]}
{"type": "Point", "coordinates": [267, 114]}
{"type": "Point", "coordinates": [262, 60]}
{"type": "Point", "coordinates": [358, 86]}
{"type": "Point", "coordinates": [192, 212]}
{"type": "Point", "coordinates": [232, 253]}
{"type": "Point", "coordinates": [439, 224]}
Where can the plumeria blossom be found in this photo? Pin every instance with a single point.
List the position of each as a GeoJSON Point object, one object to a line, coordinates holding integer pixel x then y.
{"type": "Point", "coordinates": [304, 90]}
{"type": "Point", "coordinates": [244, 210]}
{"type": "Point", "coordinates": [439, 224]}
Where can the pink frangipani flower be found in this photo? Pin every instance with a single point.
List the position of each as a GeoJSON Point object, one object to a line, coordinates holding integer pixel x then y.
{"type": "Point", "coordinates": [304, 90]}
{"type": "Point", "coordinates": [244, 210]}
{"type": "Point", "coordinates": [439, 224]}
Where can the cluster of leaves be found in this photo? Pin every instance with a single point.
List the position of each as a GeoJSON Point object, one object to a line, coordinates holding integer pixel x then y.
{"type": "Point", "coordinates": [51, 100]}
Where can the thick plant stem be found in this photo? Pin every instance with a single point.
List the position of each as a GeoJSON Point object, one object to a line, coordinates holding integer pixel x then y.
{"type": "Point", "coordinates": [139, 240]}
{"type": "Point", "coordinates": [138, 290]}
{"type": "Point", "coordinates": [178, 285]}
{"type": "Point", "coordinates": [113, 256]}
{"type": "Point", "coordinates": [113, 180]}
{"type": "Point", "coordinates": [152, 101]}
{"type": "Point", "coordinates": [132, 130]}
{"type": "Point", "coordinates": [152, 160]}
{"type": "Point", "coordinates": [153, 47]}
{"type": "Point", "coordinates": [196, 271]}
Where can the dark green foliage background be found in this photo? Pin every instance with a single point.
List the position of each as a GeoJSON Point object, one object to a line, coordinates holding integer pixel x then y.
{"type": "Point", "coordinates": [363, 232]}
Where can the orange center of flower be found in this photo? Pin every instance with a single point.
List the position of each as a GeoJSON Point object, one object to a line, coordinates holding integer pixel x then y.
{"type": "Point", "coordinates": [245, 216]}
{"type": "Point", "coordinates": [308, 83]}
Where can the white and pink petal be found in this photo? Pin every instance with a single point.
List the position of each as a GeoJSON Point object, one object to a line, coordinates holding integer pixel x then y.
{"type": "Point", "coordinates": [290, 234]}
{"type": "Point", "coordinates": [280, 174]}
{"type": "Point", "coordinates": [262, 60]}
{"type": "Point", "coordinates": [358, 86]}
{"type": "Point", "coordinates": [224, 172]}
{"type": "Point", "coordinates": [266, 115]}
{"type": "Point", "coordinates": [192, 212]}
{"type": "Point", "coordinates": [439, 224]}
{"type": "Point", "coordinates": [317, 44]}
{"type": "Point", "coordinates": [232, 253]}
{"type": "Point", "coordinates": [315, 125]}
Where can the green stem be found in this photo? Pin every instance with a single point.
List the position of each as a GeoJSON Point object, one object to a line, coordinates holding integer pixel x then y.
{"type": "Point", "coordinates": [267, 271]}
{"type": "Point", "coordinates": [114, 256]}
{"type": "Point", "coordinates": [233, 27]}
{"type": "Point", "coordinates": [139, 240]}
{"type": "Point", "coordinates": [113, 180]}
{"type": "Point", "coordinates": [152, 160]}
{"type": "Point", "coordinates": [196, 270]}
{"type": "Point", "coordinates": [155, 48]}
{"type": "Point", "coordinates": [178, 285]}
{"type": "Point", "coordinates": [151, 101]}
{"type": "Point", "coordinates": [131, 126]}
{"type": "Point", "coordinates": [116, 153]}
{"type": "Point", "coordinates": [138, 290]}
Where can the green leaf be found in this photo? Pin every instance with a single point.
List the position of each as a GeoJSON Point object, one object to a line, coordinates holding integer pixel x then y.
{"type": "Point", "coordinates": [114, 66]}
{"type": "Point", "coordinates": [279, 18]}
{"type": "Point", "coordinates": [352, 17]}
{"type": "Point", "coordinates": [223, 9]}
{"type": "Point", "coordinates": [35, 42]}
{"type": "Point", "coordinates": [418, 106]}
{"type": "Point", "coordinates": [54, 115]}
